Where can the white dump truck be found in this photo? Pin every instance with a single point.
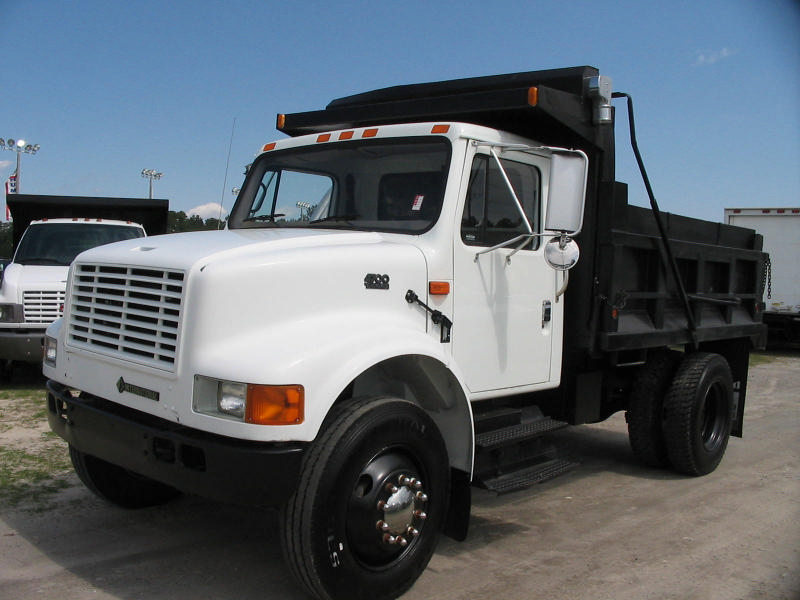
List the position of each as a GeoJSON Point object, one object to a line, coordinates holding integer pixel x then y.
{"type": "Point", "coordinates": [780, 228]}
{"type": "Point", "coordinates": [49, 232]}
{"type": "Point", "coordinates": [466, 276]}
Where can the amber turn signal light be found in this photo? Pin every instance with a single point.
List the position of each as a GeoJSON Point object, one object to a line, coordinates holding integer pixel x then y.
{"type": "Point", "coordinates": [274, 404]}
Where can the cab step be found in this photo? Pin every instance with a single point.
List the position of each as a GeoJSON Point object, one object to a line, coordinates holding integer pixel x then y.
{"type": "Point", "coordinates": [528, 476]}
{"type": "Point", "coordinates": [512, 449]}
{"type": "Point", "coordinates": [517, 433]}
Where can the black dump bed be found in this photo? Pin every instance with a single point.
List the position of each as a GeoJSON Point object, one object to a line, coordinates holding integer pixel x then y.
{"type": "Point", "coordinates": [622, 297]}
{"type": "Point", "coordinates": [150, 213]}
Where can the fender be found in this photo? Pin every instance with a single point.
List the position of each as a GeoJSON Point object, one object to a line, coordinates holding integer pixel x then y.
{"type": "Point", "coordinates": [376, 357]}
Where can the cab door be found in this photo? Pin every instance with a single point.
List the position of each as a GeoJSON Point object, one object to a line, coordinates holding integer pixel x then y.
{"type": "Point", "coordinates": [503, 300]}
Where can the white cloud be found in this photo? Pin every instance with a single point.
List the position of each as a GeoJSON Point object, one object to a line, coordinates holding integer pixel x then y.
{"type": "Point", "coordinates": [208, 211]}
{"type": "Point", "coordinates": [710, 57]}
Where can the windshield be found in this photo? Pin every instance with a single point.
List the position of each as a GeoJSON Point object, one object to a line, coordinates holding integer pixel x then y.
{"type": "Point", "coordinates": [59, 243]}
{"type": "Point", "coordinates": [392, 185]}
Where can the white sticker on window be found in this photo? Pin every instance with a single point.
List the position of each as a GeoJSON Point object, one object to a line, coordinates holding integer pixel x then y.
{"type": "Point", "coordinates": [418, 202]}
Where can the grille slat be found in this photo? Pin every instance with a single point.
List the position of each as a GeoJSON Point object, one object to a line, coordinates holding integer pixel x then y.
{"type": "Point", "coordinates": [42, 306]}
{"type": "Point", "coordinates": [128, 312]}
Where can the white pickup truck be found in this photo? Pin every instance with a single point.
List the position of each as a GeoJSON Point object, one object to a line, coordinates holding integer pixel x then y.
{"type": "Point", "coordinates": [420, 329]}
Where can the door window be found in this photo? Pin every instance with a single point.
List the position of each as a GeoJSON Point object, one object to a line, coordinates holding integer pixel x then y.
{"type": "Point", "coordinates": [490, 213]}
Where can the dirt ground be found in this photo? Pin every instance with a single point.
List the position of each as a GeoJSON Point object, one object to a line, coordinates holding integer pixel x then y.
{"type": "Point", "coordinates": [610, 529]}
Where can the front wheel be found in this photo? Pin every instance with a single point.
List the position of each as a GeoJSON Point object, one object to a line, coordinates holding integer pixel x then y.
{"type": "Point", "coordinates": [698, 413]}
{"type": "Point", "coordinates": [371, 500]}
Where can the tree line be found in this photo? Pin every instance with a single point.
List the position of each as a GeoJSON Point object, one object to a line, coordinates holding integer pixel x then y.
{"type": "Point", "coordinates": [177, 221]}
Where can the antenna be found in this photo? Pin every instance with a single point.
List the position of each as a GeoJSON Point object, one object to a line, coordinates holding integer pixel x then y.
{"type": "Point", "coordinates": [225, 181]}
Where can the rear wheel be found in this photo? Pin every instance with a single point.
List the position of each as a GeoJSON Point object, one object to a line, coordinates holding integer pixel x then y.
{"type": "Point", "coordinates": [646, 407]}
{"type": "Point", "coordinates": [366, 516]}
{"type": "Point", "coordinates": [117, 485]}
{"type": "Point", "coordinates": [698, 413]}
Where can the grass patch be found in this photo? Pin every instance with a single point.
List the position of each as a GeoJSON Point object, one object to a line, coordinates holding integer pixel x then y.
{"type": "Point", "coordinates": [34, 462]}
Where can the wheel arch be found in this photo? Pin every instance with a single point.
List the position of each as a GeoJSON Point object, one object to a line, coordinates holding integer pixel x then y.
{"type": "Point", "coordinates": [431, 385]}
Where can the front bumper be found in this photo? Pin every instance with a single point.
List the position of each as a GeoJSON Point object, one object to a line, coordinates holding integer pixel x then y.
{"type": "Point", "coordinates": [21, 344]}
{"type": "Point", "coordinates": [195, 462]}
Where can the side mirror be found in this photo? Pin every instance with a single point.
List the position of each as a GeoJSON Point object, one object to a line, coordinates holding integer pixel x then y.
{"type": "Point", "coordinates": [562, 253]}
{"type": "Point", "coordinates": [567, 191]}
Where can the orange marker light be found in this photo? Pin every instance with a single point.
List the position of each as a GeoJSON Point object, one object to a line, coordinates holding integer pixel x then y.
{"type": "Point", "coordinates": [368, 133]}
{"type": "Point", "coordinates": [274, 404]}
{"type": "Point", "coordinates": [268, 147]}
{"type": "Point", "coordinates": [439, 288]}
{"type": "Point", "coordinates": [533, 96]}
{"type": "Point", "coordinates": [440, 129]}
{"type": "Point", "coordinates": [346, 135]}
{"type": "Point", "coordinates": [323, 137]}
{"type": "Point", "coordinates": [280, 122]}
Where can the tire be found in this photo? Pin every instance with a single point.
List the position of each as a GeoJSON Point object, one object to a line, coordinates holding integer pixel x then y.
{"type": "Point", "coordinates": [117, 485]}
{"type": "Point", "coordinates": [698, 414]}
{"type": "Point", "coordinates": [646, 407]}
{"type": "Point", "coordinates": [341, 538]}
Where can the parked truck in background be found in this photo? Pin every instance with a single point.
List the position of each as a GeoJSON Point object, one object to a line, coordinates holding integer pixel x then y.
{"type": "Point", "coordinates": [468, 277]}
{"type": "Point", "coordinates": [780, 228]}
{"type": "Point", "coordinates": [48, 233]}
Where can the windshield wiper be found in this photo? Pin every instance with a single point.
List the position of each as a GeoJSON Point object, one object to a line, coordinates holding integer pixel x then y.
{"type": "Point", "coordinates": [270, 218]}
{"type": "Point", "coordinates": [334, 218]}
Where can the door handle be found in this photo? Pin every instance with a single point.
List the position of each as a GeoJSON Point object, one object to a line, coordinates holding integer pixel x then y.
{"type": "Point", "coordinates": [547, 311]}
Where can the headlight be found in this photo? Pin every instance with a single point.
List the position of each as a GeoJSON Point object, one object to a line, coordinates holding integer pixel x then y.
{"type": "Point", "coordinates": [231, 398]}
{"type": "Point", "coordinates": [249, 402]}
{"type": "Point", "coordinates": [50, 351]}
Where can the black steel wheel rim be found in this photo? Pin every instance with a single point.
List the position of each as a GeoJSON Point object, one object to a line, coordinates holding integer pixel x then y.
{"type": "Point", "coordinates": [374, 546]}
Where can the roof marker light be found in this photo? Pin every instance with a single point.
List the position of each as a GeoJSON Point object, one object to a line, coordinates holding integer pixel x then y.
{"type": "Point", "coordinates": [323, 137]}
{"type": "Point", "coordinates": [440, 128]}
{"type": "Point", "coordinates": [280, 122]}
{"type": "Point", "coordinates": [346, 135]}
{"type": "Point", "coordinates": [268, 147]}
{"type": "Point", "coordinates": [368, 133]}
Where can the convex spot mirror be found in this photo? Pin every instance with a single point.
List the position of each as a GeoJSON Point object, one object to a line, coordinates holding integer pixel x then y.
{"type": "Point", "coordinates": [567, 192]}
{"type": "Point", "coordinates": [561, 253]}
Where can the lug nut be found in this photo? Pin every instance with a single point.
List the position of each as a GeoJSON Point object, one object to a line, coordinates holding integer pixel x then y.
{"type": "Point", "coordinates": [417, 484]}
{"type": "Point", "coordinates": [401, 541]}
{"type": "Point", "coordinates": [389, 539]}
{"type": "Point", "coordinates": [421, 496]}
{"type": "Point", "coordinates": [391, 488]}
{"type": "Point", "coordinates": [420, 514]}
{"type": "Point", "coordinates": [381, 504]}
{"type": "Point", "coordinates": [412, 532]}
{"type": "Point", "coordinates": [382, 525]}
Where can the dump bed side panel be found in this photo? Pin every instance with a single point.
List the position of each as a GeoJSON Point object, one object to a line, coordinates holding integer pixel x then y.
{"type": "Point", "coordinates": [635, 302]}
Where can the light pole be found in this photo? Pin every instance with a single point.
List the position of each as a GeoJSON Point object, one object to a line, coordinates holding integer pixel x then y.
{"type": "Point", "coordinates": [151, 174]}
{"type": "Point", "coordinates": [20, 147]}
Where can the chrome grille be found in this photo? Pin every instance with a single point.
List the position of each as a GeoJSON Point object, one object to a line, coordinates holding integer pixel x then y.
{"type": "Point", "coordinates": [42, 306]}
{"type": "Point", "coordinates": [128, 312]}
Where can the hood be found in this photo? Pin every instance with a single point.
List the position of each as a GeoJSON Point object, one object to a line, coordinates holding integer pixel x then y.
{"type": "Point", "coordinates": [35, 277]}
{"type": "Point", "coordinates": [184, 250]}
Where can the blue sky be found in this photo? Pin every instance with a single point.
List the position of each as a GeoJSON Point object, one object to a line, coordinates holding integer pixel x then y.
{"type": "Point", "coordinates": [110, 87]}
